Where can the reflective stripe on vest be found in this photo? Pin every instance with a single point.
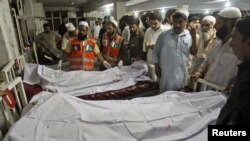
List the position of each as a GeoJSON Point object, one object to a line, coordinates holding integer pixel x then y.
{"type": "Point", "coordinates": [80, 67]}
{"type": "Point", "coordinates": [111, 50]}
{"type": "Point", "coordinates": [82, 57]}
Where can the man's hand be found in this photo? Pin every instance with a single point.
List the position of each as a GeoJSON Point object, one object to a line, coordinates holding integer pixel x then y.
{"type": "Point", "coordinates": [120, 64]}
{"type": "Point", "coordinates": [59, 66]}
{"type": "Point", "coordinates": [106, 65]}
{"type": "Point", "coordinates": [192, 30]}
{"type": "Point", "coordinates": [195, 77]}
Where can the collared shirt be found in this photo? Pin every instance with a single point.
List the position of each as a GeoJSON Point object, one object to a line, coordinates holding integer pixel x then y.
{"type": "Point", "coordinates": [222, 67]}
{"type": "Point", "coordinates": [49, 39]}
{"type": "Point", "coordinates": [171, 52]}
{"type": "Point", "coordinates": [151, 37]}
{"type": "Point", "coordinates": [136, 44]}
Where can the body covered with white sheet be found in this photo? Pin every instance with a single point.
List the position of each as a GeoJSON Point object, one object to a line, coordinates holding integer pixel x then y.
{"type": "Point", "coordinates": [79, 83]}
{"type": "Point", "coordinates": [169, 116]}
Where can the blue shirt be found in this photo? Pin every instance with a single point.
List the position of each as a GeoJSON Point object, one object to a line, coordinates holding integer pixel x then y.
{"type": "Point", "coordinates": [171, 52]}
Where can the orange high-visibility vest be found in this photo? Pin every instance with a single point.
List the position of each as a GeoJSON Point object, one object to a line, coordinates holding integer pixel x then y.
{"type": "Point", "coordinates": [111, 50]}
{"type": "Point", "coordinates": [82, 57]}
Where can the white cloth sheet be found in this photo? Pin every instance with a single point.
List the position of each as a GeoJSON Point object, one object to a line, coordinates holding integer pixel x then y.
{"type": "Point", "coordinates": [169, 116]}
{"type": "Point", "coordinates": [79, 83]}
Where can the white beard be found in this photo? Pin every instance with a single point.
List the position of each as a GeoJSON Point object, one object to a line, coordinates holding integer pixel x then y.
{"type": "Point", "coordinates": [207, 35]}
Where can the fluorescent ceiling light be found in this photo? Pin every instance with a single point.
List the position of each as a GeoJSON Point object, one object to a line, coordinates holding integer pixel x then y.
{"type": "Point", "coordinates": [163, 10]}
{"type": "Point", "coordinates": [108, 5]}
{"type": "Point", "coordinates": [133, 2]}
{"type": "Point", "coordinates": [207, 11]}
{"type": "Point", "coordinates": [228, 4]}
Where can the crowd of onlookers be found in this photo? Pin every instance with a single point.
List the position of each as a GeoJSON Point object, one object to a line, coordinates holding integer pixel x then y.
{"type": "Point", "coordinates": [178, 48]}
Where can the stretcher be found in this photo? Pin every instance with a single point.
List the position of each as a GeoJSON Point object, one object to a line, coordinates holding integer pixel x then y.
{"type": "Point", "coordinates": [206, 85]}
{"type": "Point", "coordinates": [12, 102]}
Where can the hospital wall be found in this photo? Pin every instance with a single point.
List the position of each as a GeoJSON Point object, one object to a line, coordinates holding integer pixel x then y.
{"type": "Point", "coordinates": [8, 40]}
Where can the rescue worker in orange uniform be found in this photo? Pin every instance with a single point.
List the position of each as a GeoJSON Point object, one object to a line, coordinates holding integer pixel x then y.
{"type": "Point", "coordinates": [113, 45]}
{"type": "Point", "coordinates": [83, 50]}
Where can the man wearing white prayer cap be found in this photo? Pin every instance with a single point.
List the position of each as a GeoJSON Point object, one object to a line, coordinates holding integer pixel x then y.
{"type": "Point", "coordinates": [183, 11]}
{"type": "Point", "coordinates": [205, 43]}
{"type": "Point", "coordinates": [222, 63]}
{"type": "Point", "coordinates": [236, 109]}
{"type": "Point", "coordinates": [83, 50]}
{"type": "Point", "coordinates": [210, 19]}
{"type": "Point", "coordinates": [70, 34]}
{"type": "Point", "coordinates": [171, 52]}
{"type": "Point", "coordinates": [113, 44]}
{"type": "Point", "coordinates": [83, 23]}
{"type": "Point", "coordinates": [70, 27]}
{"type": "Point", "coordinates": [230, 13]}
{"type": "Point", "coordinates": [114, 21]}
{"type": "Point", "coordinates": [225, 22]}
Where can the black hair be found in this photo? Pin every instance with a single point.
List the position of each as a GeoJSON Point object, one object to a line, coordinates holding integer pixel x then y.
{"type": "Point", "coordinates": [170, 12]}
{"type": "Point", "coordinates": [125, 18]}
{"type": "Point", "coordinates": [143, 19]}
{"type": "Point", "coordinates": [155, 16]}
{"type": "Point", "coordinates": [133, 20]}
{"type": "Point", "coordinates": [46, 25]}
{"type": "Point", "coordinates": [178, 15]}
{"type": "Point", "coordinates": [106, 18]}
{"type": "Point", "coordinates": [193, 18]}
{"type": "Point", "coordinates": [242, 25]}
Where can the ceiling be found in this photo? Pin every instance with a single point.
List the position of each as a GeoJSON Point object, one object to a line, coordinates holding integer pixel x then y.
{"type": "Point", "coordinates": [62, 3]}
{"type": "Point", "coordinates": [77, 3]}
{"type": "Point", "coordinates": [142, 5]}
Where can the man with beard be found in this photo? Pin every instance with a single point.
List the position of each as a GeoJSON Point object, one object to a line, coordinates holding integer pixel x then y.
{"type": "Point", "coordinates": [83, 50]}
{"type": "Point", "coordinates": [47, 50]}
{"type": "Point", "coordinates": [171, 53]}
{"type": "Point", "coordinates": [222, 63]}
{"type": "Point", "coordinates": [205, 43]}
{"type": "Point", "coordinates": [236, 111]}
{"type": "Point", "coordinates": [113, 45]}
{"type": "Point", "coordinates": [136, 40]}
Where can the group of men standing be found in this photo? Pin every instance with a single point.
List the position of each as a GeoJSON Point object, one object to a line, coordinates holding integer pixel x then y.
{"type": "Point", "coordinates": [174, 51]}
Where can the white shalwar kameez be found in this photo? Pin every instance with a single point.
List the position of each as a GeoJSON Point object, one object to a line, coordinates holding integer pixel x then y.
{"type": "Point", "coordinates": [171, 52]}
{"type": "Point", "coordinates": [223, 65]}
